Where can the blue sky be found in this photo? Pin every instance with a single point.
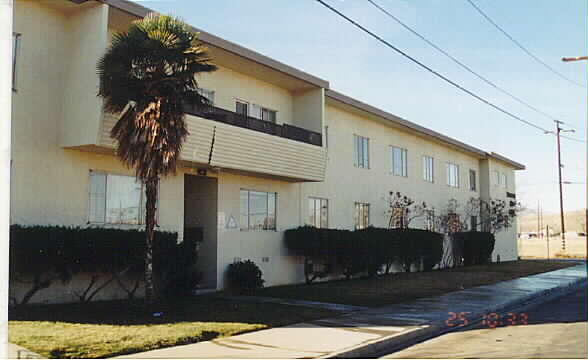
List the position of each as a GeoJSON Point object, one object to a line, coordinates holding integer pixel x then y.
{"type": "Point", "coordinates": [304, 34]}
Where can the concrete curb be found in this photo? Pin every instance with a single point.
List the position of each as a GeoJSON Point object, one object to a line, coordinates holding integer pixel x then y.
{"type": "Point", "coordinates": [400, 341]}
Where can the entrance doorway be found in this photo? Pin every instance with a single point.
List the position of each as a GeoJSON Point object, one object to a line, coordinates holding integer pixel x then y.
{"type": "Point", "coordinates": [200, 210]}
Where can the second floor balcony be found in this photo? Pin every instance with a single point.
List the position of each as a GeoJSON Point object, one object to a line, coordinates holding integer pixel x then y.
{"type": "Point", "coordinates": [232, 118]}
{"type": "Point", "coordinates": [227, 140]}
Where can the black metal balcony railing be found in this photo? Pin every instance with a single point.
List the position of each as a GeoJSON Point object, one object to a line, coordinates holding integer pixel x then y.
{"type": "Point", "coordinates": [247, 122]}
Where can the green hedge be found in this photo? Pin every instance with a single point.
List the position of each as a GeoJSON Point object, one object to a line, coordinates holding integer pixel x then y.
{"type": "Point", "coordinates": [49, 253]}
{"type": "Point", "coordinates": [473, 247]}
{"type": "Point", "coordinates": [367, 250]}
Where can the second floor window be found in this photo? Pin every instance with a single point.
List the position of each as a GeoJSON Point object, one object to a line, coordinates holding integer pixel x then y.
{"type": "Point", "coordinates": [361, 151]}
{"type": "Point", "coordinates": [318, 212]}
{"type": "Point", "coordinates": [362, 215]}
{"type": "Point", "coordinates": [452, 175]}
{"type": "Point", "coordinates": [242, 108]}
{"type": "Point", "coordinates": [503, 180]}
{"type": "Point", "coordinates": [473, 180]}
{"type": "Point", "coordinates": [428, 168]}
{"type": "Point", "coordinates": [399, 161]}
{"type": "Point", "coordinates": [268, 115]}
{"type": "Point", "coordinates": [258, 210]}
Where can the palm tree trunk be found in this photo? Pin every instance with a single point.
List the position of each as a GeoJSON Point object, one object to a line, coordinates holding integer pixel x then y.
{"type": "Point", "coordinates": [151, 192]}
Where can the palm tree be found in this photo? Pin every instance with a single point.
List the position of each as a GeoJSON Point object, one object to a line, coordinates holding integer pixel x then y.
{"type": "Point", "coordinates": [149, 73]}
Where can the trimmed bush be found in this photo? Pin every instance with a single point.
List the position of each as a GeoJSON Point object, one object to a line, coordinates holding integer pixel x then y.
{"type": "Point", "coordinates": [364, 251]}
{"type": "Point", "coordinates": [475, 246]}
{"type": "Point", "coordinates": [50, 253]}
{"type": "Point", "coordinates": [244, 276]}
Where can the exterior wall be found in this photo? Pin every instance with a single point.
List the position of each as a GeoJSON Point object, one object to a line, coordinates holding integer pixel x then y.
{"type": "Point", "coordinates": [345, 184]}
{"type": "Point", "coordinates": [506, 243]}
{"type": "Point", "coordinates": [230, 85]}
{"type": "Point", "coordinates": [309, 110]}
{"type": "Point", "coordinates": [255, 245]}
{"type": "Point", "coordinates": [87, 40]}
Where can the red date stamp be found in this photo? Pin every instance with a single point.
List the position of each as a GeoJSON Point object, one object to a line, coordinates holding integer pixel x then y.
{"type": "Point", "coordinates": [491, 320]}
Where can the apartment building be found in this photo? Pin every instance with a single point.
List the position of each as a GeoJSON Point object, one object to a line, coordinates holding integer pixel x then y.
{"type": "Point", "coordinates": [279, 149]}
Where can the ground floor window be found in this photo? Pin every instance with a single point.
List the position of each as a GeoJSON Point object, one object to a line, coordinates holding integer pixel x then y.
{"type": "Point", "coordinates": [116, 199]}
{"type": "Point", "coordinates": [318, 212]}
{"type": "Point", "coordinates": [362, 215]}
{"type": "Point", "coordinates": [258, 210]}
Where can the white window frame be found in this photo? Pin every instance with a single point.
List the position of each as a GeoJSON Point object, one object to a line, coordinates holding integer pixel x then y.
{"type": "Point", "coordinates": [428, 171]}
{"type": "Point", "coordinates": [473, 181]}
{"type": "Point", "coordinates": [503, 180]}
{"type": "Point", "coordinates": [361, 151]}
{"type": "Point", "coordinates": [451, 176]}
{"type": "Point", "coordinates": [16, 40]}
{"type": "Point", "coordinates": [237, 100]}
{"type": "Point", "coordinates": [142, 200]}
{"type": "Point", "coordinates": [402, 169]}
{"type": "Point", "coordinates": [249, 226]}
{"type": "Point", "coordinates": [496, 178]}
{"type": "Point", "coordinates": [361, 218]}
{"type": "Point", "coordinates": [319, 221]}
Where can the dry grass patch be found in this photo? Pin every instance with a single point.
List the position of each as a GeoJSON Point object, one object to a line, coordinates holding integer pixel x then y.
{"type": "Point", "coordinates": [403, 287]}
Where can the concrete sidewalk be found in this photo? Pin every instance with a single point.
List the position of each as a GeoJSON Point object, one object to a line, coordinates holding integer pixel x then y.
{"type": "Point", "coordinates": [371, 332]}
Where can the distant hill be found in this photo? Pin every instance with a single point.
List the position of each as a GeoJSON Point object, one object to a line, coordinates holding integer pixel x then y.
{"type": "Point", "coordinates": [574, 221]}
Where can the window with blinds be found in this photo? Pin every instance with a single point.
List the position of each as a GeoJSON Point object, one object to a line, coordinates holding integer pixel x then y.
{"type": "Point", "coordinates": [318, 212]}
{"type": "Point", "coordinates": [361, 152]}
{"type": "Point", "coordinates": [399, 161]}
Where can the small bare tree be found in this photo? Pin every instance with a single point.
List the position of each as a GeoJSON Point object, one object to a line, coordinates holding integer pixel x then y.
{"type": "Point", "coordinates": [403, 210]}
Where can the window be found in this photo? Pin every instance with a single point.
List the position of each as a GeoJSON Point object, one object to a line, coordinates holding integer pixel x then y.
{"type": "Point", "coordinates": [474, 223]}
{"type": "Point", "coordinates": [15, 50]}
{"type": "Point", "coordinates": [258, 210]}
{"type": "Point", "coordinates": [242, 108]}
{"type": "Point", "coordinates": [503, 180]}
{"type": "Point", "coordinates": [496, 178]}
{"type": "Point", "coordinates": [361, 151]}
{"type": "Point", "coordinates": [268, 115]}
{"type": "Point", "coordinates": [472, 180]}
{"type": "Point", "coordinates": [208, 94]}
{"type": "Point", "coordinates": [452, 175]}
{"type": "Point", "coordinates": [428, 168]}
{"type": "Point", "coordinates": [116, 199]}
{"type": "Point", "coordinates": [318, 212]}
{"type": "Point", "coordinates": [398, 156]}
{"type": "Point", "coordinates": [430, 220]}
{"type": "Point", "coordinates": [362, 215]}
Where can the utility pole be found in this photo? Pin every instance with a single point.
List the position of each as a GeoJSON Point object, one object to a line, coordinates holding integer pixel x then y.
{"type": "Point", "coordinates": [548, 242]}
{"type": "Point", "coordinates": [559, 166]}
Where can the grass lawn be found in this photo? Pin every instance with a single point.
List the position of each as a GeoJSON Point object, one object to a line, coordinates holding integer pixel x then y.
{"type": "Point", "coordinates": [110, 328]}
{"type": "Point", "coordinates": [403, 287]}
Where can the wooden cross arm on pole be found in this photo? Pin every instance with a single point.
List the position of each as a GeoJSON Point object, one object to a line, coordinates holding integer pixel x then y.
{"type": "Point", "coordinates": [574, 58]}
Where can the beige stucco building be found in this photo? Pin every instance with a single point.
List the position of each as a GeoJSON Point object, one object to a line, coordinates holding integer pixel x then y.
{"type": "Point", "coordinates": [302, 149]}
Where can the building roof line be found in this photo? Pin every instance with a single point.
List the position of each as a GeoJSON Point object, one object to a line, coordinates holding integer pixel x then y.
{"type": "Point", "coordinates": [418, 128]}
{"type": "Point", "coordinates": [141, 11]}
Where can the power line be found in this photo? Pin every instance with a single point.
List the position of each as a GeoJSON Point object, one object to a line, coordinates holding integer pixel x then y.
{"type": "Point", "coordinates": [467, 68]}
{"type": "Point", "coordinates": [380, 39]}
{"type": "Point", "coordinates": [522, 47]}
